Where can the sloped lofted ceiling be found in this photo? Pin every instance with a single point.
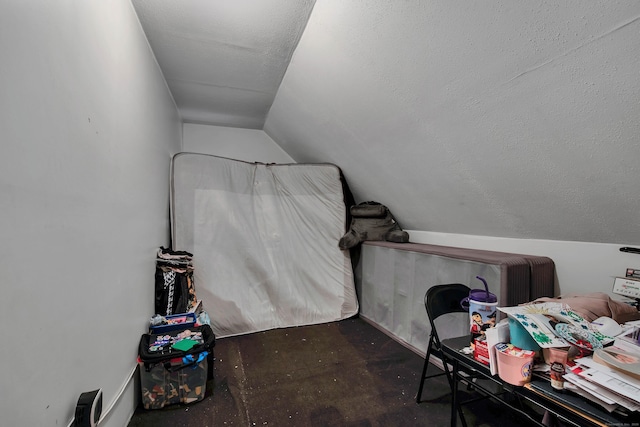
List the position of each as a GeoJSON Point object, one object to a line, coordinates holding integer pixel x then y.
{"type": "Point", "coordinates": [223, 60]}
{"type": "Point", "coordinates": [487, 118]}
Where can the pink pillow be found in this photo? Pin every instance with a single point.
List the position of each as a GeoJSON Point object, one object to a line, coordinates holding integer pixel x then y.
{"type": "Point", "coordinates": [596, 304]}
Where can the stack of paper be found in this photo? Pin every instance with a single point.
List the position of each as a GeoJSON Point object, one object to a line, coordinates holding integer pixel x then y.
{"type": "Point", "coordinates": [604, 385]}
{"type": "Point", "coordinates": [627, 363]}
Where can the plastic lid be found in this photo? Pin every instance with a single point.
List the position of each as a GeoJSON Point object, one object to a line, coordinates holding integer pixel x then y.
{"type": "Point", "coordinates": [482, 295]}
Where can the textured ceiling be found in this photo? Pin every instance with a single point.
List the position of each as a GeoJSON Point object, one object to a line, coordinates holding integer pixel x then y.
{"type": "Point", "coordinates": [224, 60]}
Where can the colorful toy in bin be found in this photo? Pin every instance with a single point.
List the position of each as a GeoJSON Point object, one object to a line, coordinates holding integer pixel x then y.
{"type": "Point", "coordinates": [172, 374]}
{"type": "Point", "coordinates": [174, 322]}
{"type": "Point", "coordinates": [178, 380]}
{"type": "Point", "coordinates": [515, 365]}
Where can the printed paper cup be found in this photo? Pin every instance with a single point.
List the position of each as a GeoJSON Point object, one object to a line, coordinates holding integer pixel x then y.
{"type": "Point", "coordinates": [514, 364]}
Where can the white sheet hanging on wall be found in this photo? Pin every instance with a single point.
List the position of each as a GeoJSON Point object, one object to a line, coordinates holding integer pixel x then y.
{"type": "Point", "coordinates": [264, 240]}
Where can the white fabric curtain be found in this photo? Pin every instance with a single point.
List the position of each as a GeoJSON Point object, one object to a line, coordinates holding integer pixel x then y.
{"type": "Point", "coordinates": [264, 240]}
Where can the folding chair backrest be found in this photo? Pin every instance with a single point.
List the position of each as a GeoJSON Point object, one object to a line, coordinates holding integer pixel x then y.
{"type": "Point", "coordinates": [441, 300]}
{"type": "Point", "coordinates": [445, 299]}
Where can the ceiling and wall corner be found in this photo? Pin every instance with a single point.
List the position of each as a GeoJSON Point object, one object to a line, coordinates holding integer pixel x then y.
{"type": "Point", "coordinates": [249, 145]}
{"type": "Point", "coordinates": [485, 118]}
{"type": "Point", "coordinates": [224, 60]}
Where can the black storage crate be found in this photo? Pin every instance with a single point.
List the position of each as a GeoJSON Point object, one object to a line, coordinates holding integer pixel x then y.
{"type": "Point", "coordinates": [169, 376]}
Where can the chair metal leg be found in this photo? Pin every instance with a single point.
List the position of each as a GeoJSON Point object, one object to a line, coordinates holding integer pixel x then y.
{"type": "Point", "coordinates": [456, 409]}
{"type": "Point", "coordinates": [445, 365]}
{"type": "Point", "coordinates": [453, 378]}
{"type": "Point", "coordinates": [423, 377]}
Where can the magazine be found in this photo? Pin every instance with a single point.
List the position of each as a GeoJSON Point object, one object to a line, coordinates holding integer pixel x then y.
{"type": "Point", "coordinates": [629, 341]}
{"type": "Point", "coordinates": [622, 361]}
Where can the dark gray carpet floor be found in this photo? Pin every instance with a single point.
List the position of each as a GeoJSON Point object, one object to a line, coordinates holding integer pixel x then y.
{"type": "Point", "coordinates": [345, 373]}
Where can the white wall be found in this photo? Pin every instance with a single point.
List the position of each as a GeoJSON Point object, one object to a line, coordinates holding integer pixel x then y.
{"type": "Point", "coordinates": [250, 145]}
{"type": "Point", "coordinates": [489, 118]}
{"type": "Point", "coordinates": [88, 128]}
{"type": "Point", "coordinates": [580, 267]}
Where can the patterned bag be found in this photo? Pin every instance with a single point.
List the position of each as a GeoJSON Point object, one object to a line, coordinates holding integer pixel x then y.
{"type": "Point", "coordinates": [174, 288]}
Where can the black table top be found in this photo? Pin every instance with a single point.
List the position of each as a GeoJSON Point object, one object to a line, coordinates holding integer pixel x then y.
{"type": "Point", "coordinates": [541, 388]}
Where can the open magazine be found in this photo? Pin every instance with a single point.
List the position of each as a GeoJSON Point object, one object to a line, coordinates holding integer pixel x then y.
{"type": "Point", "coordinates": [626, 362]}
{"type": "Point", "coordinates": [540, 321]}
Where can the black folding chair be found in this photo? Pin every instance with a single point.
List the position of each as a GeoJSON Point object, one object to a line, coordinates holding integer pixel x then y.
{"type": "Point", "coordinates": [440, 300]}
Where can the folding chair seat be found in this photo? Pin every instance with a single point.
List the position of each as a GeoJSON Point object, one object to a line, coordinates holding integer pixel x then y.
{"type": "Point", "coordinates": [440, 300]}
